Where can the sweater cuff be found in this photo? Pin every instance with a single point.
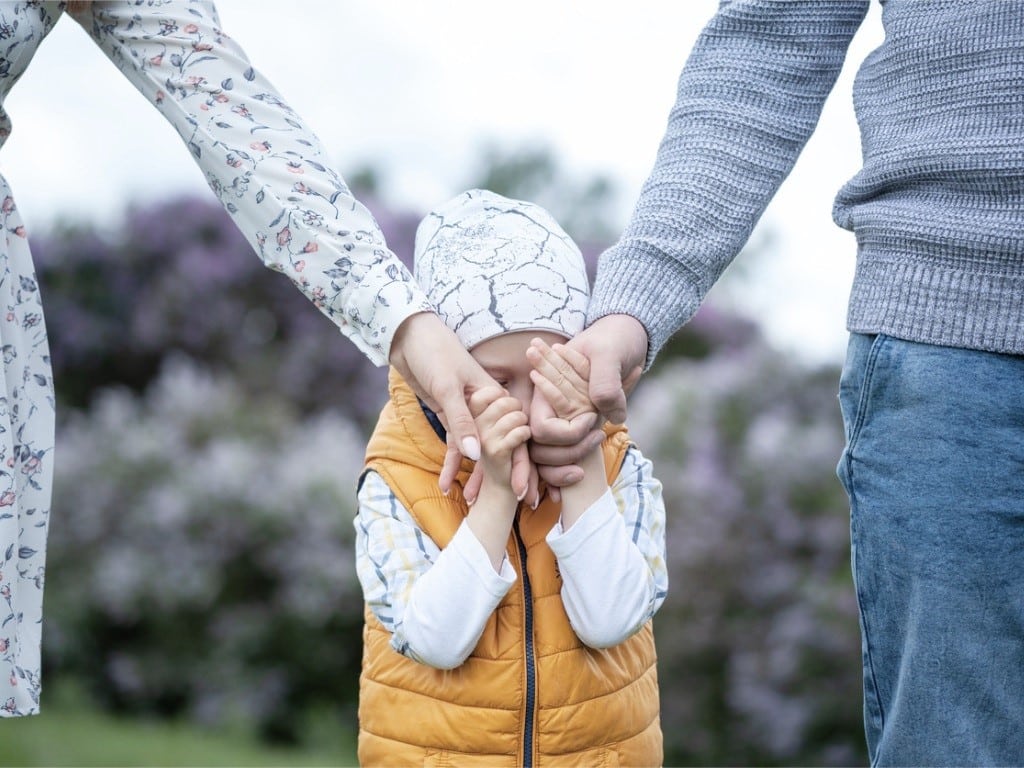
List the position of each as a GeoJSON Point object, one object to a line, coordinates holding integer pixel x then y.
{"type": "Point", "coordinates": [654, 289]}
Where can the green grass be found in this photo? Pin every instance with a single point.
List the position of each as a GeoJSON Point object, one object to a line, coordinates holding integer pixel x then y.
{"type": "Point", "coordinates": [73, 736]}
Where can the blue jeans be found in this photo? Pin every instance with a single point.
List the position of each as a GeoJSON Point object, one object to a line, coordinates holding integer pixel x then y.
{"type": "Point", "coordinates": [934, 468]}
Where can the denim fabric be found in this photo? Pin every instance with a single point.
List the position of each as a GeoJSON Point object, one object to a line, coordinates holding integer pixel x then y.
{"type": "Point", "coordinates": [934, 468]}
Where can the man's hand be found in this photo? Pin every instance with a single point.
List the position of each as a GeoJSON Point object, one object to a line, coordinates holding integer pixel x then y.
{"type": "Point", "coordinates": [616, 348]}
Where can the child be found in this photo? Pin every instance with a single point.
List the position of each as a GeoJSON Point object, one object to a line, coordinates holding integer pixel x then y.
{"type": "Point", "coordinates": [499, 634]}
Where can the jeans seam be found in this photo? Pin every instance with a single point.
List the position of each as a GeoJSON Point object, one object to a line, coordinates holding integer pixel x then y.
{"type": "Point", "coordinates": [869, 656]}
{"type": "Point", "coordinates": [855, 431]}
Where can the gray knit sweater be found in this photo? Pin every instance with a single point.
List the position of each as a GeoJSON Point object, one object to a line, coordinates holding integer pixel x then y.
{"type": "Point", "coordinates": [937, 207]}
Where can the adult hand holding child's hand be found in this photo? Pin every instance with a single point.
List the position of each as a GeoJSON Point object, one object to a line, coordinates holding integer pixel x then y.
{"type": "Point", "coordinates": [609, 357]}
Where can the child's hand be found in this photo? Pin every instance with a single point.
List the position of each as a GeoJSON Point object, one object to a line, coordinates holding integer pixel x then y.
{"type": "Point", "coordinates": [503, 426]}
{"type": "Point", "coordinates": [562, 376]}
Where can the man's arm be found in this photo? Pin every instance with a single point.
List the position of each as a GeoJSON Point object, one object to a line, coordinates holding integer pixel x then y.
{"type": "Point", "coordinates": [748, 99]}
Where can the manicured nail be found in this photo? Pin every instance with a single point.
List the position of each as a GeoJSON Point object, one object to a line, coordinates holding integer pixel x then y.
{"type": "Point", "coordinates": [471, 502]}
{"type": "Point", "coordinates": [522, 495]}
{"type": "Point", "coordinates": [471, 448]}
{"type": "Point", "coordinates": [536, 502]}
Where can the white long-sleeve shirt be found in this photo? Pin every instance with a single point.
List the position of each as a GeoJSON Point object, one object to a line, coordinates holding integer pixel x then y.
{"type": "Point", "coordinates": [436, 602]}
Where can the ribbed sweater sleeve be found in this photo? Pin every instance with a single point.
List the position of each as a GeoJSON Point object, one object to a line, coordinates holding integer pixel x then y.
{"type": "Point", "coordinates": [748, 99]}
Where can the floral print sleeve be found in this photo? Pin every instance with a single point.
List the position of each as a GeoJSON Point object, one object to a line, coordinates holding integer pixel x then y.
{"type": "Point", "coordinates": [264, 164]}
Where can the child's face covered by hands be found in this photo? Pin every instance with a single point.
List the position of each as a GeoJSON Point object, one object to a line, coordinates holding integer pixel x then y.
{"type": "Point", "coordinates": [501, 412]}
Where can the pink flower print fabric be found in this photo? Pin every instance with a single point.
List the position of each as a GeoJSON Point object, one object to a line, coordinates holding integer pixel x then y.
{"type": "Point", "coordinates": [267, 167]}
{"type": "Point", "coordinates": [269, 171]}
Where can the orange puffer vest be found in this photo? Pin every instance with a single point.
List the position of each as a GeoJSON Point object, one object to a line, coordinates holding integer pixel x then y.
{"type": "Point", "coordinates": [530, 693]}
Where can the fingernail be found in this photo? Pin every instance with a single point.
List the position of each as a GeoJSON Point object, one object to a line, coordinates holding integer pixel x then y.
{"type": "Point", "coordinates": [471, 502]}
{"type": "Point", "coordinates": [471, 448]}
{"type": "Point", "coordinates": [573, 477]}
{"type": "Point", "coordinates": [446, 492]}
{"type": "Point", "coordinates": [536, 502]}
{"type": "Point", "coordinates": [522, 495]}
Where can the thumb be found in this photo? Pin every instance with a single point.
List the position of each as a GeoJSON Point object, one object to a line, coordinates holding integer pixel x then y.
{"type": "Point", "coordinates": [606, 390]}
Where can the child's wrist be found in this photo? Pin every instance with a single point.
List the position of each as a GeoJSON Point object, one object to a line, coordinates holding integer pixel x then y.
{"type": "Point", "coordinates": [498, 488]}
{"type": "Point", "coordinates": [592, 460]}
{"type": "Point", "coordinates": [496, 502]}
{"type": "Point", "coordinates": [577, 498]}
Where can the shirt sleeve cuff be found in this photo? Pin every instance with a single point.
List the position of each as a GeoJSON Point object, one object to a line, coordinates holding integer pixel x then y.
{"type": "Point", "coordinates": [382, 303]}
{"type": "Point", "coordinates": [599, 514]}
{"type": "Point", "coordinates": [473, 555]}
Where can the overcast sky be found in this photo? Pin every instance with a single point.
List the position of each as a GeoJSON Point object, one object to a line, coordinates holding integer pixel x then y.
{"type": "Point", "coordinates": [416, 90]}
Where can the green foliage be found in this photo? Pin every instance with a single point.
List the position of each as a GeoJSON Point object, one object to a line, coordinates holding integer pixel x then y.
{"type": "Point", "coordinates": [70, 733]}
{"type": "Point", "coordinates": [584, 208]}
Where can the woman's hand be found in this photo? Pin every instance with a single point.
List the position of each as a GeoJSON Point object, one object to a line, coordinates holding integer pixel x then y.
{"type": "Point", "coordinates": [432, 360]}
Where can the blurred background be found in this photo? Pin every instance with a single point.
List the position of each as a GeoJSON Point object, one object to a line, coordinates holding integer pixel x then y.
{"type": "Point", "coordinates": [202, 606]}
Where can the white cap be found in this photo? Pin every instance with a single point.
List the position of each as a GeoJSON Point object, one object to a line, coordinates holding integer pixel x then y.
{"type": "Point", "coordinates": [491, 265]}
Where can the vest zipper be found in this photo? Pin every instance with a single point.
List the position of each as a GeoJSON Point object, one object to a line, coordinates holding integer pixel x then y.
{"type": "Point", "coordinates": [531, 667]}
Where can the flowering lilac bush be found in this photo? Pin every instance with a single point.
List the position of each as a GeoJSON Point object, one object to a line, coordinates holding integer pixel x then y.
{"type": "Point", "coordinates": [178, 276]}
{"type": "Point", "coordinates": [201, 558]}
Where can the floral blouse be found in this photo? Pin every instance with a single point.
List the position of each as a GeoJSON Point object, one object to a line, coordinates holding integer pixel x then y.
{"type": "Point", "coordinates": [271, 174]}
{"type": "Point", "coordinates": [262, 161]}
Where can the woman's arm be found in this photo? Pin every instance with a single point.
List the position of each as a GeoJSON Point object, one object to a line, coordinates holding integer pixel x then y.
{"type": "Point", "coordinates": [266, 166]}
{"type": "Point", "coordinates": [273, 177]}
